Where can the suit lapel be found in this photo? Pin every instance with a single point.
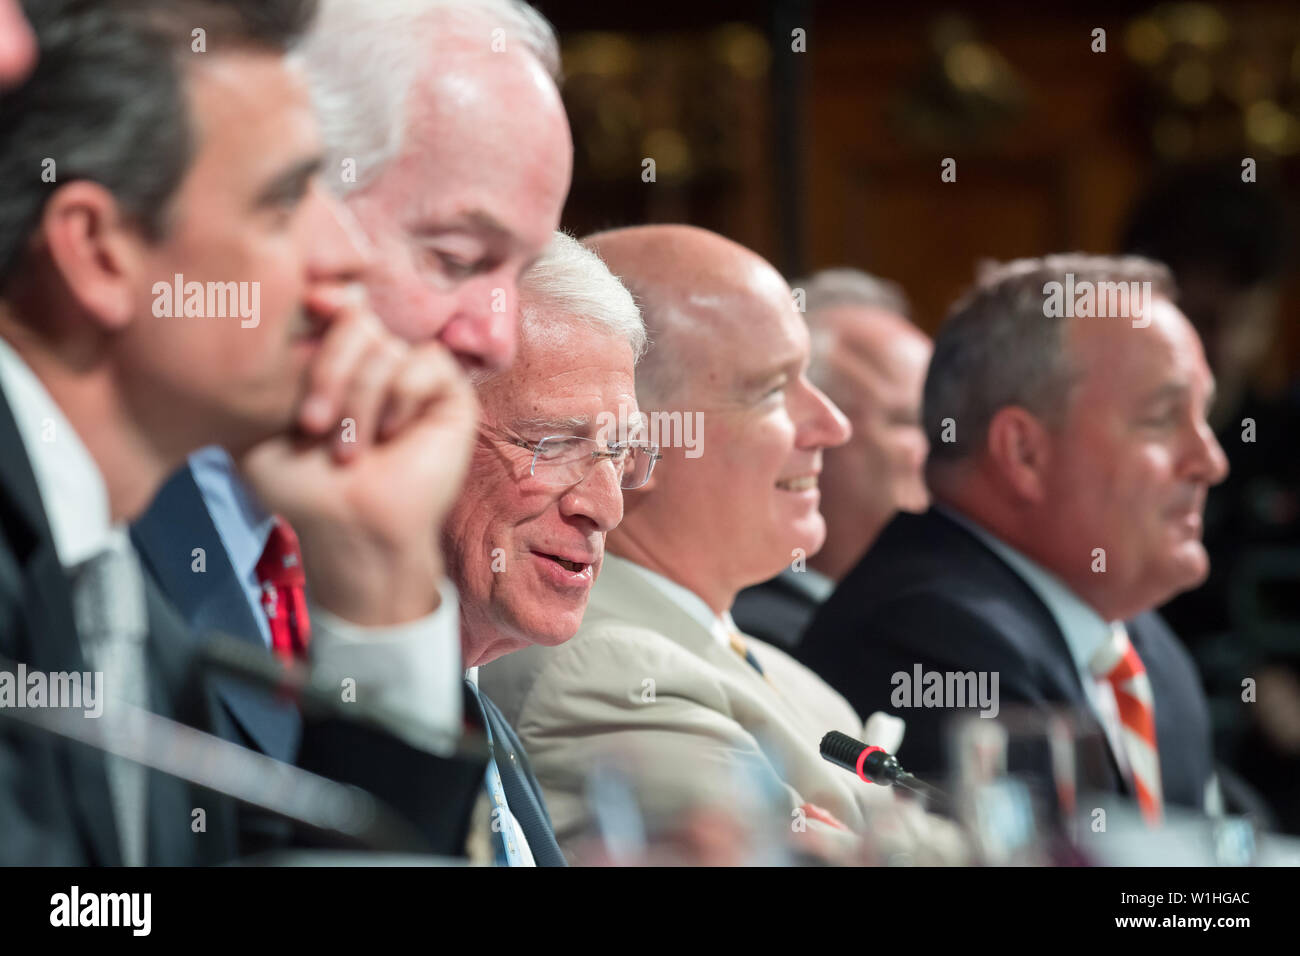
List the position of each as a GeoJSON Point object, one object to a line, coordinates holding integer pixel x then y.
{"type": "Point", "coordinates": [522, 793]}
{"type": "Point", "coordinates": [623, 593]}
{"type": "Point", "coordinates": [45, 608]}
{"type": "Point", "coordinates": [176, 523]}
{"type": "Point", "coordinates": [1056, 650]}
{"type": "Point", "coordinates": [175, 692]}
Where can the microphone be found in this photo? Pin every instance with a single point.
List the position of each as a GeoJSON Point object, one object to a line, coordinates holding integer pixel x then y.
{"type": "Point", "coordinates": [872, 764]}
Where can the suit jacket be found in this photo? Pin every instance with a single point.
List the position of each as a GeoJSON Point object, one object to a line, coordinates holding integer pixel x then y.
{"type": "Point", "coordinates": [55, 806]}
{"type": "Point", "coordinates": [523, 792]}
{"type": "Point", "coordinates": [929, 592]}
{"type": "Point", "coordinates": [780, 610]}
{"type": "Point", "coordinates": [644, 683]}
{"type": "Point", "coordinates": [177, 522]}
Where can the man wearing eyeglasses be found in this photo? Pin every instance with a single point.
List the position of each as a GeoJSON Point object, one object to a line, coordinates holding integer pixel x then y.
{"type": "Point", "coordinates": [658, 686]}
{"type": "Point", "coordinates": [526, 539]}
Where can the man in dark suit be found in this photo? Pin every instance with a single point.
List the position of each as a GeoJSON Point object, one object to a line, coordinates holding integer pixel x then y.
{"type": "Point", "coordinates": [489, 195]}
{"type": "Point", "coordinates": [172, 180]}
{"type": "Point", "coordinates": [1069, 462]}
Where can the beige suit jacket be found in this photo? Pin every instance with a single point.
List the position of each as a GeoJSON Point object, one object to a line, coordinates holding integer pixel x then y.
{"type": "Point", "coordinates": [643, 680]}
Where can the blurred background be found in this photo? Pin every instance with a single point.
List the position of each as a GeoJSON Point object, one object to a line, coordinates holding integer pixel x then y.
{"type": "Point", "coordinates": [814, 133]}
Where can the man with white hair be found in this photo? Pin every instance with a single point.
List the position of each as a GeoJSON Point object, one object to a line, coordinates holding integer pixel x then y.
{"type": "Point", "coordinates": [870, 360]}
{"type": "Point", "coordinates": [658, 676]}
{"type": "Point", "coordinates": [445, 134]}
{"type": "Point", "coordinates": [526, 539]}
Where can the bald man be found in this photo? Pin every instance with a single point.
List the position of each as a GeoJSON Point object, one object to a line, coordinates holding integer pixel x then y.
{"type": "Point", "coordinates": [659, 682]}
{"type": "Point", "coordinates": [871, 361]}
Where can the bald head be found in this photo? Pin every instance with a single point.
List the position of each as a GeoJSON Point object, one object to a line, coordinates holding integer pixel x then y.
{"type": "Point", "coordinates": [729, 351]}
{"type": "Point", "coordinates": [698, 291]}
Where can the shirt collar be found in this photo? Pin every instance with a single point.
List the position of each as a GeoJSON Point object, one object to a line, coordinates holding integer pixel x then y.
{"type": "Point", "coordinates": [471, 675]}
{"type": "Point", "coordinates": [71, 485]}
{"type": "Point", "coordinates": [721, 626]}
{"type": "Point", "coordinates": [1083, 628]}
{"type": "Point", "coordinates": [244, 524]}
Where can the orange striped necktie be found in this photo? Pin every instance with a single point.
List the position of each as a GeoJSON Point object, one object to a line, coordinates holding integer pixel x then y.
{"type": "Point", "coordinates": [1117, 663]}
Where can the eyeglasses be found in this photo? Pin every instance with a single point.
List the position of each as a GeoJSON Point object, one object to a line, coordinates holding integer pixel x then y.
{"type": "Point", "coordinates": [563, 460]}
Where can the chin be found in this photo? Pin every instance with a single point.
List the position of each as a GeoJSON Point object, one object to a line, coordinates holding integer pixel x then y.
{"type": "Point", "coordinates": [1187, 569]}
{"type": "Point", "coordinates": [809, 534]}
{"type": "Point", "coordinates": [553, 629]}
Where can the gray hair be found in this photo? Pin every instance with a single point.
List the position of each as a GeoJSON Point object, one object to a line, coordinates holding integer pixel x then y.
{"type": "Point", "coordinates": [571, 284]}
{"type": "Point", "coordinates": [364, 57]}
{"type": "Point", "coordinates": [1000, 347]}
{"type": "Point", "coordinates": [831, 288]}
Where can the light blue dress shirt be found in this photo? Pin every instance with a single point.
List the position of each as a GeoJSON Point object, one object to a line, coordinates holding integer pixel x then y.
{"type": "Point", "coordinates": [242, 524]}
{"type": "Point", "coordinates": [414, 668]}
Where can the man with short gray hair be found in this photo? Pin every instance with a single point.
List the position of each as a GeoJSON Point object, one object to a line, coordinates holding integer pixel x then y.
{"type": "Point", "coordinates": [870, 360]}
{"type": "Point", "coordinates": [526, 539]}
{"type": "Point", "coordinates": [1069, 463]}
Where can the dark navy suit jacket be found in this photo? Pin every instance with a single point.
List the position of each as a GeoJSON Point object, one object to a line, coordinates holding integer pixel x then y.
{"type": "Point", "coordinates": [929, 592]}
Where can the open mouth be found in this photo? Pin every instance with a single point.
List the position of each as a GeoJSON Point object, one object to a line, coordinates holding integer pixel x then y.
{"type": "Point", "coordinates": [576, 567]}
{"type": "Point", "coordinates": [800, 483]}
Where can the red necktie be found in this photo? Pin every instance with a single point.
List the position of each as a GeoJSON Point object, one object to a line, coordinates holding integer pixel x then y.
{"type": "Point", "coordinates": [284, 596]}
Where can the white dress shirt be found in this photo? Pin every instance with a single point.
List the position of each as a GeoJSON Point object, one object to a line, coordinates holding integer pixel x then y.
{"type": "Point", "coordinates": [517, 850]}
{"type": "Point", "coordinates": [71, 486]}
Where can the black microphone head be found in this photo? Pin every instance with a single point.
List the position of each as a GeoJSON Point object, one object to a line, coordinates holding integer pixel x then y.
{"type": "Point", "coordinates": [842, 750]}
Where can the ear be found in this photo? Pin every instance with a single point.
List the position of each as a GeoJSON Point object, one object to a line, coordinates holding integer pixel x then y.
{"type": "Point", "coordinates": [1019, 446]}
{"type": "Point", "coordinates": [96, 250]}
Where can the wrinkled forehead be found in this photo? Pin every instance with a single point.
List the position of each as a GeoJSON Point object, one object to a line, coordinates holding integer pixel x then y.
{"type": "Point", "coordinates": [563, 374]}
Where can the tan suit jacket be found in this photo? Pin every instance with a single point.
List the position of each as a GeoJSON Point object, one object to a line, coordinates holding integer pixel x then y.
{"type": "Point", "coordinates": [644, 681]}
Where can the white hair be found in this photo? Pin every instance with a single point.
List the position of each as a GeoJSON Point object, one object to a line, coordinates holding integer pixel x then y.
{"type": "Point", "coordinates": [362, 57]}
{"type": "Point", "coordinates": [829, 289]}
{"type": "Point", "coordinates": [570, 285]}
{"type": "Point", "coordinates": [844, 286]}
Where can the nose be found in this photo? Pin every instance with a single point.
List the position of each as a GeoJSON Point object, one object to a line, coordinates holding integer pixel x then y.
{"type": "Point", "coordinates": [339, 250]}
{"type": "Point", "coordinates": [598, 498]}
{"type": "Point", "coordinates": [483, 331]}
{"type": "Point", "coordinates": [1209, 462]}
{"type": "Point", "coordinates": [820, 424]}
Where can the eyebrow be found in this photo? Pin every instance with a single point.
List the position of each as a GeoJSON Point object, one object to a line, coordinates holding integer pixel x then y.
{"type": "Point", "coordinates": [475, 220]}
{"type": "Point", "coordinates": [558, 425]}
{"type": "Point", "coordinates": [757, 380]}
{"type": "Point", "coordinates": [1176, 390]}
{"type": "Point", "coordinates": [290, 182]}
